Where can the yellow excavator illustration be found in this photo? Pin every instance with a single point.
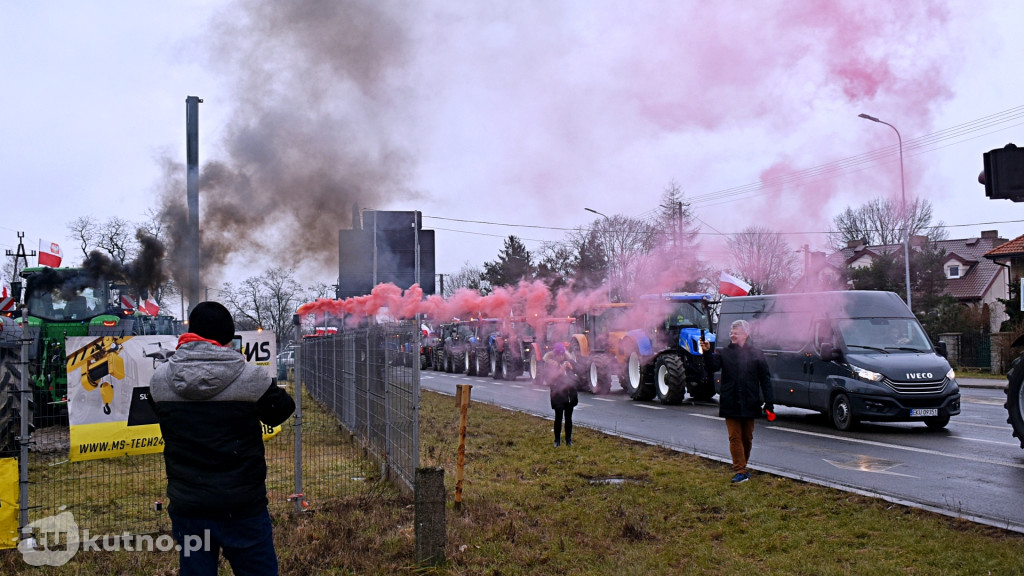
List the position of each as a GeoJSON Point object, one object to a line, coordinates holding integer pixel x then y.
{"type": "Point", "coordinates": [97, 360]}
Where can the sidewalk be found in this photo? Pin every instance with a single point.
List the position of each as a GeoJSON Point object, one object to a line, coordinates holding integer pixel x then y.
{"type": "Point", "coordinates": [982, 383]}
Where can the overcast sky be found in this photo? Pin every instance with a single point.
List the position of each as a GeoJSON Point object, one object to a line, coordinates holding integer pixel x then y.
{"type": "Point", "coordinates": [504, 113]}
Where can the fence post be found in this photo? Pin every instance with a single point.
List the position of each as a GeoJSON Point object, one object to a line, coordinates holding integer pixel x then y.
{"type": "Point", "coordinates": [297, 387]}
{"type": "Point", "coordinates": [25, 417]}
{"type": "Point", "coordinates": [430, 515]}
{"type": "Point", "coordinates": [462, 392]}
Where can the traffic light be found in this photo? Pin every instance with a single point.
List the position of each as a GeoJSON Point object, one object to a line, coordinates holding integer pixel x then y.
{"type": "Point", "coordinates": [1004, 173]}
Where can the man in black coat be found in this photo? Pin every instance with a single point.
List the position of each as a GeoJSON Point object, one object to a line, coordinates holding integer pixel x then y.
{"type": "Point", "coordinates": [745, 380]}
{"type": "Point", "coordinates": [212, 405]}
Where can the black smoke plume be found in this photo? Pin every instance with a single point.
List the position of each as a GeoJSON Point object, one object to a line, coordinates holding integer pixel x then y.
{"type": "Point", "coordinates": [313, 127]}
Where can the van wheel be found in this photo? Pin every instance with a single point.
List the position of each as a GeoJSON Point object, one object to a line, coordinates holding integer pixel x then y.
{"type": "Point", "coordinates": [937, 422]}
{"type": "Point", "coordinates": [842, 413]}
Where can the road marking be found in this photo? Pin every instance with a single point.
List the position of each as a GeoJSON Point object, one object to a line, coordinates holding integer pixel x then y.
{"type": "Point", "coordinates": [649, 407]}
{"type": "Point", "coordinates": [898, 447]}
{"type": "Point", "coordinates": [985, 441]}
{"type": "Point", "coordinates": [992, 426]}
{"type": "Point", "coordinates": [604, 399]}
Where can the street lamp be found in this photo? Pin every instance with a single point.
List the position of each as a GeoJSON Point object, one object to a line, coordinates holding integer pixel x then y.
{"type": "Point", "coordinates": [608, 249]}
{"type": "Point", "coordinates": [903, 189]}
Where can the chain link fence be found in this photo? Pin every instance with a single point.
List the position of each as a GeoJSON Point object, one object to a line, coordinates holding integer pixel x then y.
{"type": "Point", "coordinates": [355, 423]}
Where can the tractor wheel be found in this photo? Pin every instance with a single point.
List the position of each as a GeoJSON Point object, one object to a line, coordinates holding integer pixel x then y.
{"type": "Point", "coordinates": [459, 362]}
{"type": "Point", "coordinates": [532, 366]}
{"type": "Point", "coordinates": [631, 368]}
{"type": "Point", "coordinates": [700, 384]}
{"type": "Point", "coordinates": [635, 376]}
{"type": "Point", "coordinates": [842, 413]}
{"type": "Point", "coordinates": [481, 362]}
{"type": "Point", "coordinates": [1015, 399]}
{"type": "Point", "coordinates": [10, 403]}
{"type": "Point", "coordinates": [670, 379]}
{"type": "Point", "coordinates": [497, 370]}
{"type": "Point", "coordinates": [508, 367]}
{"type": "Point", "coordinates": [600, 380]}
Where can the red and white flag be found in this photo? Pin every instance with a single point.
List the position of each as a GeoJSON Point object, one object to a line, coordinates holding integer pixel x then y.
{"type": "Point", "coordinates": [49, 254]}
{"type": "Point", "coordinates": [6, 300]}
{"type": "Point", "coordinates": [151, 307]}
{"type": "Point", "coordinates": [729, 285]}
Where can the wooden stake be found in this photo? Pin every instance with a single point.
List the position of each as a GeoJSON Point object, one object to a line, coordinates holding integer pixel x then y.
{"type": "Point", "coordinates": [462, 392]}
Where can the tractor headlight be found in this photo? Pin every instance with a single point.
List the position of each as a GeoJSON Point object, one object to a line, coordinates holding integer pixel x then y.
{"type": "Point", "coordinates": [865, 374]}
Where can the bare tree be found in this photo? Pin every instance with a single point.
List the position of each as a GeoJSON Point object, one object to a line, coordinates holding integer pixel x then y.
{"type": "Point", "coordinates": [881, 221]}
{"type": "Point", "coordinates": [266, 301]}
{"type": "Point", "coordinates": [321, 290]}
{"type": "Point", "coordinates": [84, 230]}
{"type": "Point", "coordinates": [469, 276]}
{"type": "Point", "coordinates": [626, 241]}
{"type": "Point", "coordinates": [763, 258]}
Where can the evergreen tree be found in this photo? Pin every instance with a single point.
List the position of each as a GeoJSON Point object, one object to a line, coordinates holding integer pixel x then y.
{"type": "Point", "coordinates": [514, 263]}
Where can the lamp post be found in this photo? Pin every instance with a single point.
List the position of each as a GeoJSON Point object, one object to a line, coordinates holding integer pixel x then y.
{"type": "Point", "coordinates": [609, 251]}
{"type": "Point", "coordinates": [903, 189]}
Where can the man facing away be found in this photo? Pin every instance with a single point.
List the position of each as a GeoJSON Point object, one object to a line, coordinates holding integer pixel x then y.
{"type": "Point", "coordinates": [745, 378]}
{"type": "Point", "coordinates": [212, 405]}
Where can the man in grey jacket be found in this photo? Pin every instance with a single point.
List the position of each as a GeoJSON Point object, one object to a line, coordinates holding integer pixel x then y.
{"type": "Point", "coordinates": [212, 405]}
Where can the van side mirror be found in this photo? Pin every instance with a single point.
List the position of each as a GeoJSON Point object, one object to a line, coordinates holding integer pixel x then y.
{"type": "Point", "coordinates": [941, 350]}
{"type": "Point", "coordinates": [828, 353]}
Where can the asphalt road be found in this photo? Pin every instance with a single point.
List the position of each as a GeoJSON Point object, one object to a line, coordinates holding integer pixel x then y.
{"type": "Point", "coordinates": [973, 469]}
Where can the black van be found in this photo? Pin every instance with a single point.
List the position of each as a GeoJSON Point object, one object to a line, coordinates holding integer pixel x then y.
{"type": "Point", "coordinates": [852, 355]}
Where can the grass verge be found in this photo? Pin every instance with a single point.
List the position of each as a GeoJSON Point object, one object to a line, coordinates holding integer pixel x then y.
{"type": "Point", "coordinates": [605, 506]}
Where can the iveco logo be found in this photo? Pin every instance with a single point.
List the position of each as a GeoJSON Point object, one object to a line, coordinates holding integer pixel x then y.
{"type": "Point", "coordinates": [913, 375]}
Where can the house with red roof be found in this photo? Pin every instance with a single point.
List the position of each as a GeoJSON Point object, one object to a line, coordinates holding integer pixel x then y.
{"type": "Point", "coordinates": [977, 270]}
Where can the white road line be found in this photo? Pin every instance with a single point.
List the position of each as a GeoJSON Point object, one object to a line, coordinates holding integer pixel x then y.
{"type": "Point", "coordinates": [649, 407]}
{"type": "Point", "coordinates": [898, 447]}
{"type": "Point", "coordinates": [604, 399]}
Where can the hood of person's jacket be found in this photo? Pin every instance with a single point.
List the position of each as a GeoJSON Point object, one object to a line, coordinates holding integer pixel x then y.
{"type": "Point", "coordinates": [200, 370]}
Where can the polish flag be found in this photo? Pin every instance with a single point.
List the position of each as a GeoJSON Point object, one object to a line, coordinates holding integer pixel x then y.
{"type": "Point", "coordinates": [6, 301]}
{"type": "Point", "coordinates": [151, 307]}
{"type": "Point", "coordinates": [49, 254]}
{"type": "Point", "coordinates": [729, 285]}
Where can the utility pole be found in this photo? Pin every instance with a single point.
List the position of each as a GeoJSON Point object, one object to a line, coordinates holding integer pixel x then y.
{"type": "Point", "coordinates": [192, 193]}
{"type": "Point", "coordinates": [19, 254]}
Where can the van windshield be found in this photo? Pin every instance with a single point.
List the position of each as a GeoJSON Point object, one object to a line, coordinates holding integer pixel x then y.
{"type": "Point", "coordinates": [884, 334]}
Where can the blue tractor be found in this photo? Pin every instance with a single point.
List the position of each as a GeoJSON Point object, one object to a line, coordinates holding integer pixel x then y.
{"type": "Point", "coordinates": [663, 359]}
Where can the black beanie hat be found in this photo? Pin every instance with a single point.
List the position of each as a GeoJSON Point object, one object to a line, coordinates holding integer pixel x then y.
{"type": "Point", "coordinates": [212, 321]}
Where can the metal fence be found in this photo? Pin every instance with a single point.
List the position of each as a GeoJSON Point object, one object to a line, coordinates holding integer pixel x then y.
{"type": "Point", "coordinates": [370, 380]}
{"type": "Point", "coordinates": [355, 423]}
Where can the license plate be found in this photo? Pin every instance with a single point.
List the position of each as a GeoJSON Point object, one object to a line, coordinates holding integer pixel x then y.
{"type": "Point", "coordinates": [924, 412]}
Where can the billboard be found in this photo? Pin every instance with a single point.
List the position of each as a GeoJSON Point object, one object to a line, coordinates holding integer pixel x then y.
{"type": "Point", "coordinates": [383, 251]}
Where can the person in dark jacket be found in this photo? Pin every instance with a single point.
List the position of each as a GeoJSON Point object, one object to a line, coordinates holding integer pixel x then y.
{"type": "Point", "coordinates": [745, 378]}
{"type": "Point", "coordinates": [211, 405]}
{"type": "Point", "coordinates": [558, 367]}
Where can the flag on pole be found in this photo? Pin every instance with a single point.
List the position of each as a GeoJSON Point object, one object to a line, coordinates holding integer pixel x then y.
{"type": "Point", "coordinates": [729, 285]}
{"type": "Point", "coordinates": [151, 307]}
{"type": "Point", "coordinates": [6, 301]}
{"type": "Point", "coordinates": [49, 253]}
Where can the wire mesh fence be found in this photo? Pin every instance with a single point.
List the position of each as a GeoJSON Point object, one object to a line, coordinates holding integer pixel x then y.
{"type": "Point", "coordinates": [369, 379]}
{"type": "Point", "coordinates": [355, 424]}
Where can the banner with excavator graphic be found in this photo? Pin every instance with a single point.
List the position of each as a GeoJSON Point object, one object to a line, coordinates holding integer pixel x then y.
{"type": "Point", "coordinates": [108, 390]}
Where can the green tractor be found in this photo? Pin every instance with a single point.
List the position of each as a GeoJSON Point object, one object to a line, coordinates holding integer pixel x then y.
{"type": "Point", "coordinates": [59, 303]}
